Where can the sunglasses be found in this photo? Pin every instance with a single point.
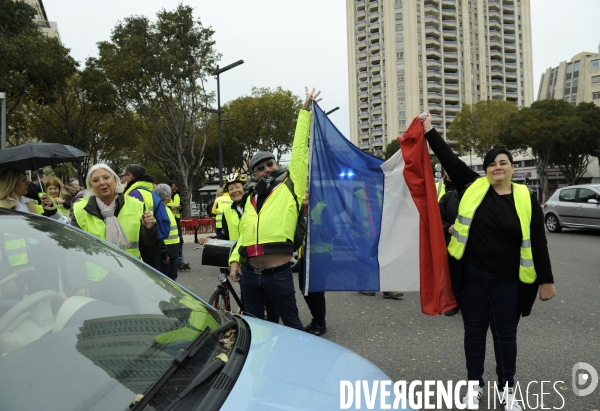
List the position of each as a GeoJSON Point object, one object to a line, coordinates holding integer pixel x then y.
{"type": "Point", "coordinates": [262, 167]}
{"type": "Point", "coordinates": [123, 175]}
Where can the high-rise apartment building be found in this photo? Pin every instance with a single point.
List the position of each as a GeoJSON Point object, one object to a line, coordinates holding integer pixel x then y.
{"type": "Point", "coordinates": [574, 81]}
{"type": "Point", "coordinates": [405, 56]}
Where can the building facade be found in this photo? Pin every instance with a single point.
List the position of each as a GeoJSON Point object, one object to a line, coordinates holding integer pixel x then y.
{"type": "Point", "coordinates": [574, 81]}
{"type": "Point", "coordinates": [49, 28]}
{"type": "Point", "coordinates": [407, 56]}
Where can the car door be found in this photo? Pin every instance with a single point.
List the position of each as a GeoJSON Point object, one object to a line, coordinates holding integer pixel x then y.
{"type": "Point", "coordinates": [588, 213]}
{"type": "Point", "coordinates": [567, 207]}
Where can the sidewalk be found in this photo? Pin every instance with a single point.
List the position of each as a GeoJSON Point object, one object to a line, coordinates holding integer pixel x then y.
{"type": "Point", "coordinates": [189, 238]}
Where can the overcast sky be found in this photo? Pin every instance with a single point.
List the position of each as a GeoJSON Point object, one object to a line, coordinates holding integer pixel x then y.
{"type": "Point", "coordinates": [292, 44]}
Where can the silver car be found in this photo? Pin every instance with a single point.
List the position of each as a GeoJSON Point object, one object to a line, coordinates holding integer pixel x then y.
{"type": "Point", "coordinates": [573, 207]}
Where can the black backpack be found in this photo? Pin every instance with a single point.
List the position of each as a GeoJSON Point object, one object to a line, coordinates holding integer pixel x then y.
{"type": "Point", "coordinates": [300, 232]}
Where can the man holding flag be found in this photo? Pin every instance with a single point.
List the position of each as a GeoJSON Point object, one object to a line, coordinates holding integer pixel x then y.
{"type": "Point", "coordinates": [261, 258]}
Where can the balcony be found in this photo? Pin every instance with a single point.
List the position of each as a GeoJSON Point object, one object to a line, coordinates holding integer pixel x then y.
{"type": "Point", "coordinates": [374, 26]}
{"type": "Point", "coordinates": [511, 85]}
{"type": "Point", "coordinates": [497, 74]}
{"type": "Point", "coordinates": [375, 68]}
{"type": "Point", "coordinates": [450, 56]}
{"type": "Point", "coordinates": [373, 5]}
{"type": "Point", "coordinates": [512, 95]}
{"type": "Point", "coordinates": [496, 64]}
{"type": "Point", "coordinates": [362, 64]}
{"type": "Point", "coordinates": [360, 5]}
{"type": "Point", "coordinates": [364, 144]}
{"type": "Point", "coordinates": [453, 97]}
{"type": "Point", "coordinates": [509, 8]}
{"type": "Point", "coordinates": [449, 34]}
{"type": "Point", "coordinates": [435, 108]}
{"type": "Point", "coordinates": [361, 45]}
{"type": "Point", "coordinates": [361, 35]}
{"type": "Point", "coordinates": [450, 77]}
{"type": "Point", "coordinates": [433, 52]}
{"type": "Point", "coordinates": [508, 18]}
{"type": "Point", "coordinates": [374, 16]}
{"type": "Point", "coordinates": [431, 10]}
{"type": "Point", "coordinates": [511, 66]}
{"type": "Point", "coordinates": [362, 86]}
{"type": "Point", "coordinates": [495, 45]}
{"type": "Point", "coordinates": [433, 96]}
{"type": "Point", "coordinates": [363, 114]}
{"type": "Point", "coordinates": [451, 88]}
{"type": "Point", "coordinates": [362, 54]}
{"type": "Point", "coordinates": [377, 121]}
{"type": "Point", "coordinates": [375, 58]}
{"type": "Point", "coordinates": [495, 34]}
{"type": "Point", "coordinates": [450, 45]}
{"type": "Point", "coordinates": [509, 28]}
{"type": "Point", "coordinates": [510, 57]}
{"type": "Point", "coordinates": [512, 75]}
{"type": "Point", "coordinates": [510, 46]}
{"type": "Point", "coordinates": [375, 47]}
{"type": "Point", "coordinates": [431, 20]}
{"type": "Point", "coordinates": [364, 125]}
{"type": "Point", "coordinates": [360, 14]}
{"type": "Point", "coordinates": [374, 36]}
{"type": "Point", "coordinates": [497, 95]}
{"type": "Point", "coordinates": [363, 106]}
{"type": "Point", "coordinates": [377, 100]}
{"type": "Point", "coordinates": [362, 75]}
{"type": "Point", "coordinates": [377, 132]}
{"type": "Point", "coordinates": [448, 13]}
{"type": "Point", "coordinates": [450, 66]}
{"type": "Point", "coordinates": [510, 37]}
{"type": "Point", "coordinates": [454, 108]}
{"type": "Point", "coordinates": [435, 63]}
{"type": "Point", "coordinates": [432, 2]}
{"type": "Point", "coordinates": [432, 41]}
{"type": "Point", "coordinates": [494, 14]}
{"type": "Point", "coordinates": [363, 95]}
{"type": "Point", "coordinates": [361, 24]}
{"type": "Point", "coordinates": [363, 135]}
{"type": "Point", "coordinates": [434, 74]}
{"type": "Point", "coordinates": [449, 24]}
{"type": "Point", "coordinates": [432, 31]}
{"type": "Point", "coordinates": [375, 90]}
{"type": "Point", "coordinates": [495, 23]}
{"type": "Point", "coordinates": [434, 85]}
{"type": "Point", "coordinates": [494, 5]}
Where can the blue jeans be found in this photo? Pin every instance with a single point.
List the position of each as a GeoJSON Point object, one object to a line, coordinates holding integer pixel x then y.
{"type": "Point", "coordinates": [489, 300]}
{"type": "Point", "coordinates": [279, 287]}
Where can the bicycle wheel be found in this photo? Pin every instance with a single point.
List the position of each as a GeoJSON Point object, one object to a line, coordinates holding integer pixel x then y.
{"type": "Point", "coordinates": [219, 299]}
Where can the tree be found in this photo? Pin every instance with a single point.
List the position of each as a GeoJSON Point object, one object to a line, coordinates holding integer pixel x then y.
{"type": "Point", "coordinates": [263, 121]}
{"type": "Point", "coordinates": [32, 66]}
{"type": "Point", "coordinates": [159, 70]}
{"type": "Point", "coordinates": [391, 149]}
{"type": "Point", "coordinates": [86, 116]}
{"type": "Point", "coordinates": [541, 130]}
{"type": "Point", "coordinates": [478, 127]}
{"type": "Point", "coordinates": [576, 148]}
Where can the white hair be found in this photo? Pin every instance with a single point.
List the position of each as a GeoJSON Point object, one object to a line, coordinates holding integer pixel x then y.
{"type": "Point", "coordinates": [162, 190]}
{"type": "Point", "coordinates": [88, 184]}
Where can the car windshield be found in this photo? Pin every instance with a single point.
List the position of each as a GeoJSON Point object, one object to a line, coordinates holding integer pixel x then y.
{"type": "Point", "coordinates": [84, 325]}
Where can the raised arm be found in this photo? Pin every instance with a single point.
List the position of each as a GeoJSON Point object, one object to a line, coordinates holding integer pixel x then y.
{"type": "Point", "coordinates": [460, 173]}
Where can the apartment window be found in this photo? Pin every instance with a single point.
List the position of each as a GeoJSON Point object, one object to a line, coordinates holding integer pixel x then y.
{"type": "Point", "coordinates": [403, 112]}
{"type": "Point", "coordinates": [402, 122]}
{"type": "Point", "coordinates": [401, 101]}
{"type": "Point", "coordinates": [400, 79]}
{"type": "Point", "coordinates": [400, 89]}
{"type": "Point", "coordinates": [595, 96]}
{"type": "Point", "coordinates": [400, 66]}
{"type": "Point", "coordinates": [595, 63]}
{"type": "Point", "coordinates": [400, 55]}
{"type": "Point", "coordinates": [595, 79]}
{"type": "Point", "coordinates": [568, 84]}
{"type": "Point", "coordinates": [570, 68]}
{"type": "Point", "coordinates": [576, 68]}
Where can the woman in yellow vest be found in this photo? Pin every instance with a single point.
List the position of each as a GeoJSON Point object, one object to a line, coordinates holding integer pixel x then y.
{"type": "Point", "coordinates": [13, 188]}
{"type": "Point", "coordinates": [106, 213]}
{"type": "Point", "coordinates": [499, 237]}
{"type": "Point", "coordinates": [169, 247]}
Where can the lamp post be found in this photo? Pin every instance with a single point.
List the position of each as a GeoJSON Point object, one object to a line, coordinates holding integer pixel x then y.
{"type": "Point", "coordinates": [217, 72]}
{"type": "Point", "coordinates": [3, 142]}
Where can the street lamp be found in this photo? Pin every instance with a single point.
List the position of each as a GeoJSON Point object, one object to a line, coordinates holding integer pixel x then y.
{"type": "Point", "coordinates": [3, 142]}
{"type": "Point", "coordinates": [218, 111]}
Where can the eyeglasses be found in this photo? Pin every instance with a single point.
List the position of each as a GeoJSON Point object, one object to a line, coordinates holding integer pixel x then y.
{"type": "Point", "coordinates": [123, 175]}
{"type": "Point", "coordinates": [262, 167]}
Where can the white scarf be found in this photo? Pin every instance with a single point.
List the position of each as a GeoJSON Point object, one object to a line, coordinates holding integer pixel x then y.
{"type": "Point", "coordinates": [114, 232]}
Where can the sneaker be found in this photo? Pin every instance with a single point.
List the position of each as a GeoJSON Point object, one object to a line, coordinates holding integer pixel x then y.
{"type": "Point", "coordinates": [509, 401]}
{"type": "Point", "coordinates": [318, 330]}
{"type": "Point", "coordinates": [393, 295]}
{"type": "Point", "coordinates": [452, 312]}
{"type": "Point", "coordinates": [479, 391]}
{"type": "Point", "coordinates": [366, 293]}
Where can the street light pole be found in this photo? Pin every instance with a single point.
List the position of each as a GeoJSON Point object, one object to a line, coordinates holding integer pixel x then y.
{"type": "Point", "coordinates": [217, 72]}
{"type": "Point", "coordinates": [3, 142]}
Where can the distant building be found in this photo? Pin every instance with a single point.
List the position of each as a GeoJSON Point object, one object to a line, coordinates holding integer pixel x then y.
{"type": "Point", "coordinates": [406, 56]}
{"type": "Point", "coordinates": [574, 81]}
{"type": "Point", "coordinates": [49, 28]}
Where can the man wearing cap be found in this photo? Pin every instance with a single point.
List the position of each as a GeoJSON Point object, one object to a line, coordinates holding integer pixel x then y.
{"type": "Point", "coordinates": [261, 258]}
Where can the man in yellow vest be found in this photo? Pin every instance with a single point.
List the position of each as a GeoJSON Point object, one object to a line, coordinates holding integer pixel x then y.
{"type": "Point", "coordinates": [175, 206]}
{"type": "Point", "coordinates": [261, 258]}
{"type": "Point", "coordinates": [140, 185]}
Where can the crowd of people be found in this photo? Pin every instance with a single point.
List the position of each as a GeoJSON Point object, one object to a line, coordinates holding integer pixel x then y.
{"type": "Point", "coordinates": [497, 249]}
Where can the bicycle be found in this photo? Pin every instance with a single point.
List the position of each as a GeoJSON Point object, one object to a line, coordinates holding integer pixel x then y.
{"type": "Point", "coordinates": [224, 293]}
{"type": "Point", "coordinates": [221, 297]}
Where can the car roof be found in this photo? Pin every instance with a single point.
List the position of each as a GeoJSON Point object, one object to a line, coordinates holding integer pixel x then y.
{"type": "Point", "coordinates": [596, 186]}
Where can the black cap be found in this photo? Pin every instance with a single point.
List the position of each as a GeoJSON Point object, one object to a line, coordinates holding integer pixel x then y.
{"type": "Point", "coordinates": [260, 156]}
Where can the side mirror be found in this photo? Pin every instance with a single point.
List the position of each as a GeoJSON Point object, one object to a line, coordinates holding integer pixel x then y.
{"type": "Point", "coordinates": [592, 201]}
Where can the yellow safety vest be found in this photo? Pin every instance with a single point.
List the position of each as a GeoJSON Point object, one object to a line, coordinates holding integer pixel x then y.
{"type": "Point", "coordinates": [466, 210]}
{"type": "Point", "coordinates": [440, 189]}
{"type": "Point", "coordinates": [146, 195]}
{"type": "Point", "coordinates": [129, 217]}
{"type": "Point", "coordinates": [173, 232]}
{"type": "Point", "coordinates": [222, 203]}
{"type": "Point", "coordinates": [233, 222]}
{"type": "Point", "coordinates": [16, 249]}
{"type": "Point", "coordinates": [316, 219]}
{"type": "Point", "coordinates": [175, 201]}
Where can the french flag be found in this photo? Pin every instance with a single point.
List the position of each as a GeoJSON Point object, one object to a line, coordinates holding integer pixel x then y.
{"type": "Point", "coordinates": [374, 225]}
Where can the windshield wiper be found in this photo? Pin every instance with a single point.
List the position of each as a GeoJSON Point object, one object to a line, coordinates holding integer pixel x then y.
{"type": "Point", "coordinates": [189, 352]}
{"type": "Point", "coordinates": [202, 376]}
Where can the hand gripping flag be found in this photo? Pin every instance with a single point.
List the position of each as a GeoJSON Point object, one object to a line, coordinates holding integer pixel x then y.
{"type": "Point", "coordinates": [374, 225]}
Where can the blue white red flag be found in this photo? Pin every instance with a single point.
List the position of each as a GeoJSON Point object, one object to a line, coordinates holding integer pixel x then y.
{"type": "Point", "coordinates": [374, 225]}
